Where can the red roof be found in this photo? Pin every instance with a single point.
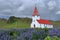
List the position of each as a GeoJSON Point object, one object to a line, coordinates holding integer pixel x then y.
{"type": "Point", "coordinates": [42, 21]}
{"type": "Point", "coordinates": [35, 12]}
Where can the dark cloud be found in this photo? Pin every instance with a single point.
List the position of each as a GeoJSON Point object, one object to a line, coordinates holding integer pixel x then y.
{"type": "Point", "coordinates": [48, 9]}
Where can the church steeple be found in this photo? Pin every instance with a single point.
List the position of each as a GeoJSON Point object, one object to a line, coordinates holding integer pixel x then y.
{"type": "Point", "coordinates": [35, 12]}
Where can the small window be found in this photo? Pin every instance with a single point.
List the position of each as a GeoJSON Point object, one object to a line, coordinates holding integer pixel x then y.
{"type": "Point", "coordinates": [34, 20]}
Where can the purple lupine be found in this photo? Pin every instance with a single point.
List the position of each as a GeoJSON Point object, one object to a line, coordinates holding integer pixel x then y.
{"type": "Point", "coordinates": [54, 32]}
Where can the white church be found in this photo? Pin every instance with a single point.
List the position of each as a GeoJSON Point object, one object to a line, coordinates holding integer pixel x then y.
{"type": "Point", "coordinates": [37, 22]}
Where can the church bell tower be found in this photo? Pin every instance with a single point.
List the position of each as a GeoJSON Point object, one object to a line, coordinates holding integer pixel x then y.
{"type": "Point", "coordinates": [35, 17]}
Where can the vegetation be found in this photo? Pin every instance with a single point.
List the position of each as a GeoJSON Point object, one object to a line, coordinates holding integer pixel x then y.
{"type": "Point", "coordinates": [30, 34]}
{"type": "Point", "coordinates": [52, 38]}
{"type": "Point", "coordinates": [56, 24]}
{"type": "Point", "coordinates": [15, 22]}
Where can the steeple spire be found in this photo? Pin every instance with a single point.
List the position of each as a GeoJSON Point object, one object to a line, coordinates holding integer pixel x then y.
{"type": "Point", "coordinates": [35, 11]}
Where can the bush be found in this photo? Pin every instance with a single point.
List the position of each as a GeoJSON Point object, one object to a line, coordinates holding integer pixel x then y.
{"type": "Point", "coordinates": [13, 34]}
{"type": "Point", "coordinates": [35, 36]}
{"type": "Point", "coordinates": [12, 19]}
{"type": "Point", "coordinates": [52, 38]}
{"type": "Point", "coordinates": [48, 38]}
{"type": "Point", "coordinates": [40, 34]}
{"type": "Point", "coordinates": [55, 38]}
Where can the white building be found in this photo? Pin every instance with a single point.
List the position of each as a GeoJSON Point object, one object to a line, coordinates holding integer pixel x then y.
{"type": "Point", "coordinates": [37, 22]}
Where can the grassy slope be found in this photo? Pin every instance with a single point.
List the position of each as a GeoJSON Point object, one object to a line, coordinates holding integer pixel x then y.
{"type": "Point", "coordinates": [23, 23]}
{"type": "Point", "coordinates": [56, 24]}
{"type": "Point", "coordinates": [20, 23]}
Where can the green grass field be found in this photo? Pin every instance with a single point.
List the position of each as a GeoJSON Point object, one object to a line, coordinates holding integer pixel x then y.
{"type": "Point", "coordinates": [22, 23]}
{"type": "Point", "coordinates": [56, 24]}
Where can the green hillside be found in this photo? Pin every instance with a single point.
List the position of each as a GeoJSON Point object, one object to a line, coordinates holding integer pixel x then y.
{"type": "Point", "coordinates": [14, 22]}
{"type": "Point", "coordinates": [56, 24]}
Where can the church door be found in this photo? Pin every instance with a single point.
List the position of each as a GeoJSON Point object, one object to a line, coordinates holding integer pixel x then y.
{"type": "Point", "coordinates": [34, 25]}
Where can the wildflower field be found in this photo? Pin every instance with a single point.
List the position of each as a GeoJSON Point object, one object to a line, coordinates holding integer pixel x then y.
{"type": "Point", "coordinates": [30, 34]}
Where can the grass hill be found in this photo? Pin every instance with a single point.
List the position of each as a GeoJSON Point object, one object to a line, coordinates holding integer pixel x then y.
{"type": "Point", "coordinates": [14, 22]}
{"type": "Point", "coordinates": [56, 24]}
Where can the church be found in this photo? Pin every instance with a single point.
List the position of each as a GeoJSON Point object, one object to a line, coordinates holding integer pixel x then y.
{"type": "Point", "coordinates": [37, 22]}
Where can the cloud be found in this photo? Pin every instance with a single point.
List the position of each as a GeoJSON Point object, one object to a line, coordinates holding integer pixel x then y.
{"type": "Point", "coordinates": [51, 5]}
{"type": "Point", "coordinates": [58, 12]}
{"type": "Point", "coordinates": [21, 8]}
{"type": "Point", "coordinates": [48, 9]}
{"type": "Point", "coordinates": [41, 3]}
{"type": "Point", "coordinates": [6, 10]}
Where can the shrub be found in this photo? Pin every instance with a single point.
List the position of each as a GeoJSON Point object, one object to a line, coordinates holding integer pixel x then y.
{"type": "Point", "coordinates": [35, 36]}
{"type": "Point", "coordinates": [48, 38]}
{"type": "Point", "coordinates": [12, 19]}
{"type": "Point", "coordinates": [13, 34]}
{"type": "Point", "coordinates": [52, 38]}
{"type": "Point", "coordinates": [55, 38]}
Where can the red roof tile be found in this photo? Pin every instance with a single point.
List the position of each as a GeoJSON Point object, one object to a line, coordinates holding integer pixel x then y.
{"type": "Point", "coordinates": [42, 21]}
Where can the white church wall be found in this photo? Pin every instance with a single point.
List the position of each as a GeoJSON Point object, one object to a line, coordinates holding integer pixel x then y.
{"type": "Point", "coordinates": [32, 25]}
{"type": "Point", "coordinates": [33, 19]}
{"type": "Point", "coordinates": [37, 17]}
{"type": "Point", "coordinates": [42, 25]}
{"type": "Point", "coordinates": [45, 25]}
{"type": "Point", "coordinates": [49, 26]}
{"type": "Point", "coordinates": [38, 25]}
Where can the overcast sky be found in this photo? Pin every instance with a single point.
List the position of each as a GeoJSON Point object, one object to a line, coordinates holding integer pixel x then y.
{"type": "Point", "coordinates": [48, 9]}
